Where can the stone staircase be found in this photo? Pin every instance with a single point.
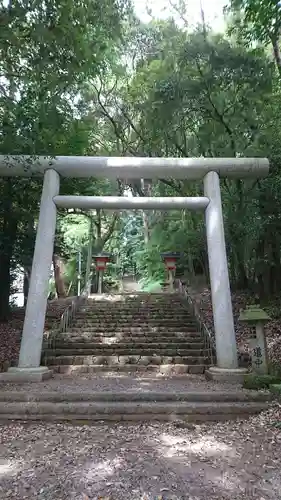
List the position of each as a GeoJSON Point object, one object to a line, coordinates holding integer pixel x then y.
{"type": "Point", "coordinates": [166, 406]}
{"type": "Point", "coordinates": [144, 340]}
{"type": "Point", "coordinates": [127, 333]}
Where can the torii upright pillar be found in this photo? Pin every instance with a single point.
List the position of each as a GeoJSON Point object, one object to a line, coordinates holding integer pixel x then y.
{"type": "Point", "coordinates": [226, 348]}
{"type": "Point", "coordinates": [29, 368]}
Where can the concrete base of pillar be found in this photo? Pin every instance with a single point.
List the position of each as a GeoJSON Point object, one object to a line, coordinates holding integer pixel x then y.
{"type": "Point", "coordinates": [21, 375]}
{"type": "Point", "coordinates": [227, 375]}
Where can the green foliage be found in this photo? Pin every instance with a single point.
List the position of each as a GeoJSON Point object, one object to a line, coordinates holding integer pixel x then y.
{"type": "Point", "coordinates": [276, 389]}
{"type": "Point", "coordinates": [259, 20]}
{"type": "Point", "coordinates": [275, 369]}
{"type": "Point", "coordinates": [202, 94]}
{"type": "Point", "coordinates": [122, 87]}
{"type": "Point", "coordinates": [152, 286]}
{"type": "Point", "coordinates": [47, 52]}
{"type": "Point", "coordinates": [262, 18]}
{"type": "Point", "coordinates": [257, 382]}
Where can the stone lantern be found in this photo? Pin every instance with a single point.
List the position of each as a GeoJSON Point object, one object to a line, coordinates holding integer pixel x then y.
{"type": "Point", "coordinates": [255, 317]}
{"type": "Point", "coordinates": [170, 259]}
{"type": "Point", "coordinates": [101, 261]}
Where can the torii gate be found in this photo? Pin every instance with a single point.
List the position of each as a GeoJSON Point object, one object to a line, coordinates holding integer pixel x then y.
{"type": "Point", "coordinates": [208, 169]}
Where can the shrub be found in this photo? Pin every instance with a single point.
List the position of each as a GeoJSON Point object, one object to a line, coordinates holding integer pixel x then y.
{"type": "Point", "coordinates": [256, 382]}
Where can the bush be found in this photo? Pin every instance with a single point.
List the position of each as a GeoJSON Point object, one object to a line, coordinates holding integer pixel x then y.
{"type": "Point", "coordinates": [276, 389]}
{"type": "Point", "coordinates": [256, 382]}
{"type": "Point", "coordinates": [152, 286]}
{"type": "Point", "coordinates": [275, 369]}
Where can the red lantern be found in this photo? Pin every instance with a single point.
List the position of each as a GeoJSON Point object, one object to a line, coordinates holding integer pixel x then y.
{"type": "Point", "coordinates": [170, 263]}
{"type": "Point", "coordinates": [101, 261]}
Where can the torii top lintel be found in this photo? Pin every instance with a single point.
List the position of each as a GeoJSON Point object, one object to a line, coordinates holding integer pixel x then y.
{"type": "Point", "coordinates": [133, 167]}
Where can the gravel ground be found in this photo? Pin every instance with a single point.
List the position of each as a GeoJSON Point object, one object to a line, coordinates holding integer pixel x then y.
{"type": "Point", "coordinates": [118, 382]}
{"type": "Point", "coordinates": [226, 461]}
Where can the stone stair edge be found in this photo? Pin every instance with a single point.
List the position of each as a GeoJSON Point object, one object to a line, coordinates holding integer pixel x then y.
{"type": "Point", "coordinates": [82, 419]}
{"type": "Point", "coordinates": [123, 350]}
{"type": "Point", "coordinates": [128, 339]}
{"type": "Point", "coordinates": [92, 342]}
{"type": "Point", "coordinates": [127, 344]}
{"type": "Point", "coordinates": [131, 396]}
{"type": "Point", "coordinates": [178, 369]}
{"type": "Point", "coordinates": [119, 358]}
{"type": "Point", "coordinates": [128, 408]}
{"type": "Point", "coordinates": [145, 332]}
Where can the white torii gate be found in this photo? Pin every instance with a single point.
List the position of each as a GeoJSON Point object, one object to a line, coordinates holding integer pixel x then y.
{"type": "Point", "coordinates": [208, 169]}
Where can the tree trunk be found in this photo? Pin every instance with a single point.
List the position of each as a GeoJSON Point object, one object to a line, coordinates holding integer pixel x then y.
{"type": "Point", "coordinates": [89, 254]}
{"type": "Point", "coordinates": [5, 263]}
{"type": "Point", "coordinates": [26, 282]}
{"type": "Point", "coordinates": [7, 242]}
{"type": "Point", "coordinates": [58, 275]}
{"type": "Point", "coordinates": [27, 259]}
{"type": "Point", "coordinates": [275, 270]}
{"type": "Point", "coordinates": [146, 186]}
{"type": "Point", "coordinates": [277, 53]}
{"type": "Point", "coordinates": [145, 227]}
{"type": "Point", "coordinates": [242, 279]}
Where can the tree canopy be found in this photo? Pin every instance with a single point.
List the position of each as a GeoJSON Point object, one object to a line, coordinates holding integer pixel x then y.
{"type": "Point", "coordinates": [79, 78]}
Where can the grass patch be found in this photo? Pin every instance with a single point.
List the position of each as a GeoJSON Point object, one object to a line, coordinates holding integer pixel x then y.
{"type": "Point", "coordinates": [152, 286]}
{"type": "Point", "coordinates": [276, 389]}
{"type": "Point", "coordinates": [256, 382]}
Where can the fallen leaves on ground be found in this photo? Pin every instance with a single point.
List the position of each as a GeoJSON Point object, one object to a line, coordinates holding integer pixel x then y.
{"type": "Point", "coordinates": [239, 301]}
{"type": "Point", "coordinates": [222, 461]}
{"type": "Point", "coordinates": [10, 332]}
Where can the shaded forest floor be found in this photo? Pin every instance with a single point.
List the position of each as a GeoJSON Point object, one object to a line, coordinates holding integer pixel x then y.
{"type": "Point", "coordinates": [202, 297]}
{"type": "Point", "coordinates": [10, 332]}
{"type": "Point", "coordinates": [221, 461]}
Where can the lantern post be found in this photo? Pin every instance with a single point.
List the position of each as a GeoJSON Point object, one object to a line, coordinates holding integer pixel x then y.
{"type": "Point", "coordinates": [101, 261]}
{"type": "Point", "coordinates": [255, 318]}
{"type": "Point", "coordinates": [170, 260]}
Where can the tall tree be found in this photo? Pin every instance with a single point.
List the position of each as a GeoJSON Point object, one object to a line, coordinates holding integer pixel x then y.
{"type": "Point", "coordinates": [47, 51]}
{"type": "Point", "coordinates": [260, 20]}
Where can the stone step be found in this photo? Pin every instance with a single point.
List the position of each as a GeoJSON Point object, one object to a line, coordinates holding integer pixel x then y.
{"type": "Point", "coordinates": [119, 350]}
{"type": "Point", "coordinates": [135, 321]}
{"type": "Point", "coordinates": [118, 359]}
{"type": "Point", "coordinates": [169, 306]}
{"type": "Point", "coordinates": [133, 327]}
{"type": "Point", "coordinates": [136, 295]}
{"type": "Point", "coordinates": [130, 396]}
{"type": "Point", "coordinates": [82, 419]}
{"type": "Point", "coordinates": [105, 337]}
{"type": "Point", "coordinates": [126, 301]}
{"type": "Point", "coordinates": [182, 344]}
{"type": "Point", "coordinates": [142, 301]}
{"type": "Point", "coordinates": [164, 369]}
{"type": "Point", "coordinates": [136, 306]}
{"type": "Point", "coordinates": [114, 314]}
{"type": "Point", "coordinates": [142, 330]}
{"type": "Point", "coordinates": [129, 411]}
{"type": "Point", "coordinates": [135, 344]}
{"type": "Point", "coordinates": [159, 313]}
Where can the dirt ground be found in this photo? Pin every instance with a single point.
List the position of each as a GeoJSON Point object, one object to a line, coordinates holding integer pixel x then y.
{"type": "Point", "coordinates": [226, 461]}
{"type": "Point", "coordinates": [114, 382]}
